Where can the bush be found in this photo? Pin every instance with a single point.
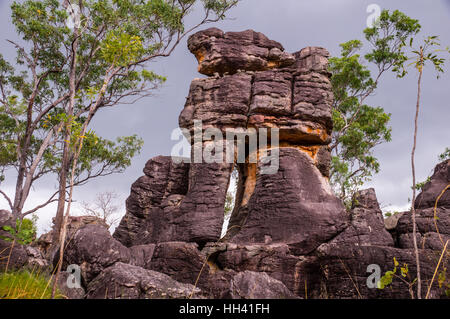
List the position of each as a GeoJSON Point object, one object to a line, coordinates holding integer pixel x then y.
{"type": "Point", "coordinates": [24, 233]}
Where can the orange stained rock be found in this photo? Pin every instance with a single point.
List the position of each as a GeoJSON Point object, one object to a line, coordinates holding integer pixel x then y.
{"type": "Point", "coordinates": [250, 183]}
{"type": "Point", "coordinates": [200, 55]}
{"type": "Point", "coordinates": [311, 151]}
{"type": "Point", "coordinates": [273, 64]}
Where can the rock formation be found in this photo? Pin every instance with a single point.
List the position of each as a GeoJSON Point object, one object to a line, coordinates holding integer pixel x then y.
{"type": "Point", "coordinates": [288, 236]}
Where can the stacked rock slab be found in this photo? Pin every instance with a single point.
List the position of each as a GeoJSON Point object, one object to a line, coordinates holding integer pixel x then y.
{"type": "Point", "coordinates": [288, 236]}
{"type": "Point", "coordinates": [256, 85]}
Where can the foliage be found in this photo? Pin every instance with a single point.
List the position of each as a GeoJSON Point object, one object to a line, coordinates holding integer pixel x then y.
{"type": "Point", "coordinates": [231, 193]}
{"type": "Point", "coordinates": [23, 233]}
{"type": "Point", "coordinates": [228, 204]}
{"type": "Point", "coordinates": [389, 214]}
{"type": "Point", "coordinates": [444, 282]}
{"type": "Point", "coordinates": [403, 275]}
{"type": "Point", "coordinates": [442, 157]}
{"type": "Point", "coordinates": [23, 284]}
{"type": "Point", "coordinates": [358, 127]}
{"type": "Point", "coordinates": [445, 156]}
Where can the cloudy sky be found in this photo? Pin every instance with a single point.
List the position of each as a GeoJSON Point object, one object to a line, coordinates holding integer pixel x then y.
{"type": "Point", "coordinates": [295, 24]}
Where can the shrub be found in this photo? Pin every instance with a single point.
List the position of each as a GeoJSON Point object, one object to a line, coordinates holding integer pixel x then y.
{"type": "Point", "coordinates": [24, 233]}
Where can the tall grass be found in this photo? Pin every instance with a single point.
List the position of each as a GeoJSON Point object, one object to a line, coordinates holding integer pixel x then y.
{"type": "Point", "coordinates": [23, 284]}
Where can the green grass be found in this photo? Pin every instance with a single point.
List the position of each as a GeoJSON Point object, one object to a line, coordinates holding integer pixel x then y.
{"type": "Point", "coordinates": [23, 284]}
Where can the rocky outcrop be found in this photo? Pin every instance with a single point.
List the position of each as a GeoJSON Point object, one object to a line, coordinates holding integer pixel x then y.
{"type": "Point", "coordinates": [288, 235]}
{"type": "Point", "coordinates": [45, 241]}
{"type": "Point", "coordinates": [219, 52]}
{"type": "Point", "coordinates": [438, 182]}
{"type": "Point", "coordinates": [294, 206]}
{"type": "Point", "coordinates": [339, 268]}
{"type": "Point", "coordinates": [432, 213]}
{"type": "Point", "coordinates": [251, 91]}
{"type": "Point", "coordinates": [93, 249]}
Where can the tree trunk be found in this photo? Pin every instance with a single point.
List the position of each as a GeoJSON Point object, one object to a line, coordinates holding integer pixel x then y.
{"type": "Point", "coordinates": [413, 211]}
{"type": "Point", "coordinates": [62, 193]}
{"type": "Point", "coordinates": [61, 219]}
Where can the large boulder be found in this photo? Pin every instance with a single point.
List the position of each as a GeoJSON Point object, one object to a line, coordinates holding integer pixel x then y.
{"type": "Point", "coordinates": [438, 182]}
{"type": "Point", "coordinates": [274, 259]}
{"type": "Point", "coordinates": [294, 206]}
{"type": "Point", "coordinates": [93, 249]}
{"type": "Point", "coordinates": [219, 52]}
{"type": "Point", "coordinates": [258, 285]}
{"type": "Point", "coordinates": [433, 228]}
{"type": "Point", "coordinates": [124, 281]}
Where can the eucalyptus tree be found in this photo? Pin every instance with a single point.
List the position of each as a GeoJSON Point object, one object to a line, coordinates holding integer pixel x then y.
{"type": "Point", "coordinates": [359, 127]}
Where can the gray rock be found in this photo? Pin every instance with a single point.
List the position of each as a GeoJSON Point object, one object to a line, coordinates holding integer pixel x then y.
{"type": "Point", "coordinates": [258, 285]}
{"type": "Point", "coordinates": [71, 292]}
{"type": "Point", "coordinates": [294, 206]}
{"type": "Point", "coordinates": [93, 249]}
{"type": "Point", "coordinates": [391, 222]}
{"type": "Point", "coordinates": [431, 190]}
{"type": "Point", "coordinates": [219, 52]}
{"type": "Point", "coordinates": [124, 281]}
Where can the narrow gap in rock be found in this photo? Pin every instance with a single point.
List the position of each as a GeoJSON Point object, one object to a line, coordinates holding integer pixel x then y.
{"type": "Point", "coordinates": [230, 200]}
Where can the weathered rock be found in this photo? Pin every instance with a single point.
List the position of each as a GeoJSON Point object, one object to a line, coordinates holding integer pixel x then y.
{"type": "Point", "coordinates": [142, 255]}
{"type": "Point", "coordinates": [124, 281]}
{"type": "Point", "coordinates": [367, 224]}
{"type": "Point", "coordinates": [258, 285]}
{"type": "Point", "coordinates": [274, 259]}
{"type": "Point", "coordinates": [288, 235]}
{"type": "Point", "coordinates": [161, 208]}
{"type": "Point", "coordinates": [432, 233]}
{"type": "Point", "coordinates": [339, 268]}
{"type": "Point", "coordinates": [218, 102]}
{"type": "Point", "coordinates": [69, 292]}
{"type": "Point", "coordinates": [433, 189]}
{"type": "Point", "coordinates": [181, 261]}
{"type": "Point", "coordinates": [14, 258]}
{"type": "Point", "coordinates": [219, 52]}
{"type": "Point", "coordinates": [185, 263]}
{"type": "Point", "coordinates": [151, 209]}
{"type": "Point", "coordinates": [45, 241]}
{"type": "Point", "coordinates": [294, 206]}
{"type": "Point", "coordinates": [391, 222]}
{"type": "Point", "coordinates": [5, 217]}
{"type": "Point", "coordinates": [93, 249]}
{"type": "Point", "coordinates": [341, 271]}
{"type": "Point", "coordinates": [21, 256]}
{"type": "Point", "coordinates": [36, 258]}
